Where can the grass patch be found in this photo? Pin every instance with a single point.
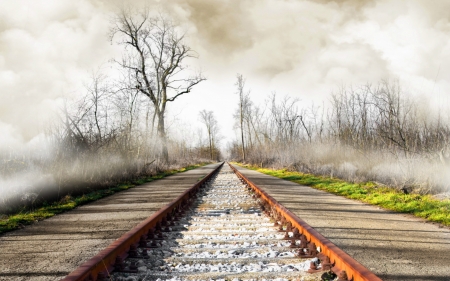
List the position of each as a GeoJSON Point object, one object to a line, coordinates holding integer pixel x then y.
{"type": "Point", "coordinates": [424, 206]}
{"type": "Point", "coordinates": [25, 217]}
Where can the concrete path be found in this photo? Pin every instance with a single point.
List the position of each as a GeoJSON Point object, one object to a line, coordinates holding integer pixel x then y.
{"type": "Point", "coordinates": [50, 249]}
{"type": "Point", "coordinates": [394, 246]}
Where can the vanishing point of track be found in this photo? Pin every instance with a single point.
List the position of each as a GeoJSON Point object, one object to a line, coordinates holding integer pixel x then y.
{"type": "Point", "coordinates": [223, 228]}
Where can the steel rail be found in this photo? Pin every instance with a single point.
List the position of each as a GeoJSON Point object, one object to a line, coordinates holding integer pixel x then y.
{"type": "Point", "coordinates": [341, 260]}
{"type": "Point", "coordinates": [104, 260]}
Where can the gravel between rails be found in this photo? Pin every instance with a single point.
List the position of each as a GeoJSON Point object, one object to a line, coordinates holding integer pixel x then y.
{"type": "Point", "coordinates": [224, 236]}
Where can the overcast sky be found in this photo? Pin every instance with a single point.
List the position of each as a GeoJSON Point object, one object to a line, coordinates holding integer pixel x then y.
{"type": "Point", "coordinates": [304, 49]}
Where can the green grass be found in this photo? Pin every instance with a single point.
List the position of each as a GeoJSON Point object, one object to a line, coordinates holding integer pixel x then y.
{"type": "Point", "coordinates": [25, 217]}
{"type": "Point", "coordinates": [424, 206]}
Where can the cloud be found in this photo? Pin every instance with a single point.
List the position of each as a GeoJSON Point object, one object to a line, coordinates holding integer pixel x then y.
{"type": "Point", "coordinates": [222, 25]}
{"type": "Point", "coordinates": [46, 49]}
{"type": "Point", "coordinates": [411, 37]}
{"type": "Point", "coordinates": [265, 38]}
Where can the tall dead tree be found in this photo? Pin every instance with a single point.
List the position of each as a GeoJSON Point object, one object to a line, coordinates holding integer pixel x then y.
{"type": "Point", "coordinates": [155, 54]}
{"type": "Point", "coordinates": [244, 101]}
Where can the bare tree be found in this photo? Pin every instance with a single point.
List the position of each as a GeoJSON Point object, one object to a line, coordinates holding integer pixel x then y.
{"type": "Point", "coordinates": [87, 124]}
{"type": "Point", "coordinates": [155, 54]}
{"type": "Point", "coordinates": [212, 128]}
{"type": "Point", "coordinates": [126, 102]}
{"type": "Point", "coordinates": [244, 103]}
{"type": "Point", "coordinates": [97, 92]}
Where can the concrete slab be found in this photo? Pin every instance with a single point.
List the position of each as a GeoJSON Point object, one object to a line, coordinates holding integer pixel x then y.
{"type": "Point", "coordinates": [394, 246]}
{"type": "Point", "coordinates": [50, 249]}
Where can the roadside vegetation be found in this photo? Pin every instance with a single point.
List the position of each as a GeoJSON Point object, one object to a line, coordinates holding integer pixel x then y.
{"type": "Point", "coordinates": [420, 205]}
{"type": "Point", "coordinates": [28, 216]}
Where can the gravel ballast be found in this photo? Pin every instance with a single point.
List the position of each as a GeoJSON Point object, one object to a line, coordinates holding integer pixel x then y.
{"type": "Point", "coordinates": [224, 236]}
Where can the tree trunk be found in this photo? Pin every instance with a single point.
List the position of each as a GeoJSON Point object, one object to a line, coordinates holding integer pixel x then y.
{"type": "Point", "coordinates": [163, 138]}
{"type": "Point", "coordinates": [210, 146]}
{"type": "Point", "coordinates": [242, 134]}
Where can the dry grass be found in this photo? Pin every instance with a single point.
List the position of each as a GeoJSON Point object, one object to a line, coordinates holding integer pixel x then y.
{"type": "Point", "coordinates": [424, 206]}
{"type": "Point", "coordinates": [423, 174]}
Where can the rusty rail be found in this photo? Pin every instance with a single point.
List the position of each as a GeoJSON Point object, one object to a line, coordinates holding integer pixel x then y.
{"type": "Point", "coordinates": [341, 260]}
{"type": "Point", "coordinates": [104, 260]}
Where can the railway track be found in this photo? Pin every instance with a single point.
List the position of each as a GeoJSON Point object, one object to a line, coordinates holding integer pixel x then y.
{"type": "Point", "coordinates": [223, 228]}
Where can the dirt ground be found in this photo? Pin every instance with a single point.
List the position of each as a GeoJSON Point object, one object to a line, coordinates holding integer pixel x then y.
{"type": "Point", "coordinates": [50, 249]}
{"type": "Point", "coordinates": [394, 246]}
